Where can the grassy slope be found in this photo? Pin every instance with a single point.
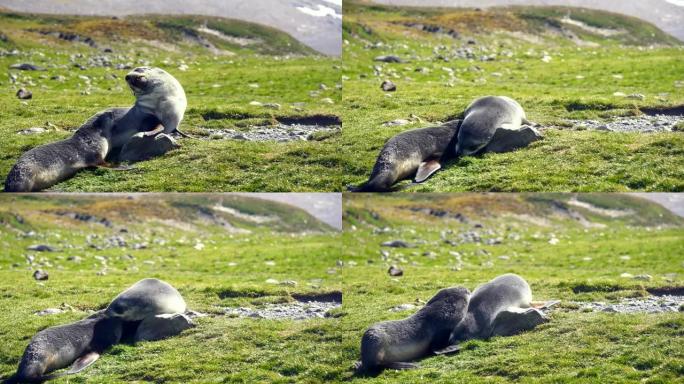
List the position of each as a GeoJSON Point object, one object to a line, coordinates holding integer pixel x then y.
{"type": "Point", "coordinates": [219, 349]}
{"type": "Point", "coordinates": [218, 93]}
{"type": "Point", "coordinates": [574, 347]}
{"type": "Point", "coordinates": [567, 159]}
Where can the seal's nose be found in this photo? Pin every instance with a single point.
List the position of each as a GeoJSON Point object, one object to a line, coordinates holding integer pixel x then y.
{"type": "Point", "coordinates": [128, 78]}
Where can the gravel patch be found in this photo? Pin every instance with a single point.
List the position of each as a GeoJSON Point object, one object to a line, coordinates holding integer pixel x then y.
{"type": "Point", "coordinates": [644, 123]}
{"type": "Point", "coordinates": [293, 311]}
{"type": "Point", "coordinates": [279, 133]}
{"type": "Point", "coordinates": [651, 304]}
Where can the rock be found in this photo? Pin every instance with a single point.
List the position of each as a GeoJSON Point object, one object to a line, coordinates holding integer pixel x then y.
{"type": "Point", "coordinates": [389, 59]}
{"type": "Point", "coordinates": [26, 67]}
{"type": "Point", "coordinates": [643, 277]}
{"type": "Point", "coordinates": [619, 94]}
{"type": "Point", "coordinates": [395, 271]}
{"type": "Point", "coordinates": [403, 307]}
{"type": "Point", "coordinates": [41, 248]}
{"type": "Point", "coordinates": [397, 122]}
{"type": "Point", "coordinates": [388, 86]}
{"type": "Point", "coordinates": [327, 100]}
{"type": "Point", "coordinates": [636, 96]}
{"type": "Point", "coordinates": [24, 94]}
{"type": "Point", "coordinates": [272, 281]}
{"type": "Point", "coordinates": [48, 311]}
{"type": "Point", "coordinates": [256, 103]}
{"type": "Point", "coordinates": [396, 244]}
{"type": "Point", "coordinates": [141, 147]}
{"type": "Point", "coordinates": [546, 59]}
{"type": "Point", "coordinates": [32, 131]}
{"type": "Point", "coordinates": [626, 275]}
{"type": "Point", "coordinates": [272, 105]}
{"type": "Point", "coordinates": [40, 275]}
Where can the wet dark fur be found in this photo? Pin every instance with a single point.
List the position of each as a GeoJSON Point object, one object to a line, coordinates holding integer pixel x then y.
{"type": "Point", "coordinates": [414, 146]}
{"type": "Point", "coordinates": [36, 363]}
{"type": "Point", "coordinates": [434, 322]}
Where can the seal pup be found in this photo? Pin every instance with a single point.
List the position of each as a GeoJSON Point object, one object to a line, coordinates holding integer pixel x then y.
{"type": "Point", "coordinates": [78, 344]}
{"type": "Point", "coordinates": [160, 94]}
{"type": "Point", "coordinates": [417, 153]}
{"type": "Point", "coordinates": [500, 307]}
{"type": "Point", "coordinates": [392, 344]}
{"type": "Point", "coordinates": [102, 137]}
{"type": "Point", "coordinates": [494, 124]}
{"type": "Point", "coordinates": [146, 298]}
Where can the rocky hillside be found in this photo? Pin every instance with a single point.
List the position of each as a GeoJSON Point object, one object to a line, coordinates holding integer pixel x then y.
{"type": "Point", "coordinates": [172, 34]}
{"type": "Point", "coordinates": [195, 213]}
{"type": "Point", "coordinates": [584, 27]}
{"type": "Point", "coordinates": [540, 210]}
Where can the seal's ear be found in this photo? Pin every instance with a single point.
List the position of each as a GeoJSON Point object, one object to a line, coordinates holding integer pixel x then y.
{"type": "Point", "coordinates": [83, 362]}
{"type": "Point", "coordinates": [426, 169]}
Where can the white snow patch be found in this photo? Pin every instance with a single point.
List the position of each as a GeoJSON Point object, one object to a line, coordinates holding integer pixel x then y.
{"type": "Point", "coordinates": [322, 11]}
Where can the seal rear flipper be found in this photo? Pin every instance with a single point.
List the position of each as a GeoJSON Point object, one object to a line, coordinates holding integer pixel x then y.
{"type": "Point", "coordinates": [83, 362]}
{"type": "Point", "coordinates": [426, 169]}
{"type": "Point", "coordinates": [447, 350]}
{"type": "Point", "coordinates": [400, 365]}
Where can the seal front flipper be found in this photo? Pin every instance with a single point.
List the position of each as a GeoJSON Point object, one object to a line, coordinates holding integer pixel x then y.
{"type": "Point", "coordinates": [448, 350]}
{"type": "Point", "coordinates": [400, 365]}
{"type": "Point", "coordinates": [426, 169]}
{"type": "Point", "coordinates": [83, 362]}
{"type": "Point", "coordinates": [506, 140]}
{"type": "Point", "coordinates": [516, 320]}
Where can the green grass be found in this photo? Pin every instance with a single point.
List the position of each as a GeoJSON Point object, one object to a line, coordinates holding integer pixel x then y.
{"type": "Point", "coordinates": [217, 85]}
{"type": "Point", "coordinates": [220, 348]}
{"type": "Point", "coordinates": [577, 84]}
{"type": "Point", "coordinates": [575, 346]}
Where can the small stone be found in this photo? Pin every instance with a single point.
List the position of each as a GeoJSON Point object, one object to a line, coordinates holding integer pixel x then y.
{"type": "Point", "coordinates": [41, 248]}
{"type": "Point", "coordinates": [32, 131]}
{"type": "Point", "coordinates": [395, 271]}
{"type": "Point", "coordinates": [49, 311]}
{"type": "Point", "coordinates": [272, 281]}
{"type": "Point", "coordinates": [636, 96]}
{"type": "Point", "coordinates": [389, 59]}
{"type": "Point", "coordinates": [626, 275]}
{"type": "Point", "coordinates": [272, 105]}
{"type": "Point", "coordinates": [396, 244]}
{"type": "Point", "coordinates": [397, 122]}
{"type": "Point", "coordinates": [643, 277]}
{"type": "Point", "coordinates": [40, 275]}
{"type": "Point", "coordinates": [388, 86]}
{"type": "Point", "coordinates": [24, 94]}
{"type": "Point", "coordinates": [403, 307]}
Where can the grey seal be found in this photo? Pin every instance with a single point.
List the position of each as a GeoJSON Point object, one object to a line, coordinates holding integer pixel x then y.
{"type": "Point", "coordinates": [393, 344]}
{"type": "Point", "coordinates": [494, 124]}
{"type": "Point", "coordinates": [160, 104]}
{"type": "Point", "coordinates": [417, 154]}
{"type": "Point", "coordinates": [500, 307]}
{"type": "Point", "coordinates": [146, 298]}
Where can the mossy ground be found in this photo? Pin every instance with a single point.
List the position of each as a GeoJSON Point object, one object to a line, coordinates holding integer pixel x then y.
{"type": "Point", "coordinates": [577, 83]}
{"type": "Point", "coordinates": [231, 271]}
{"type": "Point", "coordinates": [575, 346]}
{"type": "Point", "coordinates": [219, 87]}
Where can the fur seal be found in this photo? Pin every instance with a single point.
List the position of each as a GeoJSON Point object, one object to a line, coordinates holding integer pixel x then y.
{"type": "Point", "coordinates": [160, 94]}
{"type": "Point", "coordinates": [417, 153]}
{"type": "Point", "coordinates": [392, 344]}
{"type": "Point", "coordinates": [102, 137]}
{"type": "Point", "coordinates": [494, 124]}
{"type": "Point", "coordinates": [146, 298]}
{"type": "Point", "coordinates": [78, 344]}
{"type": "Point", "coordinates": [500, 307]}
